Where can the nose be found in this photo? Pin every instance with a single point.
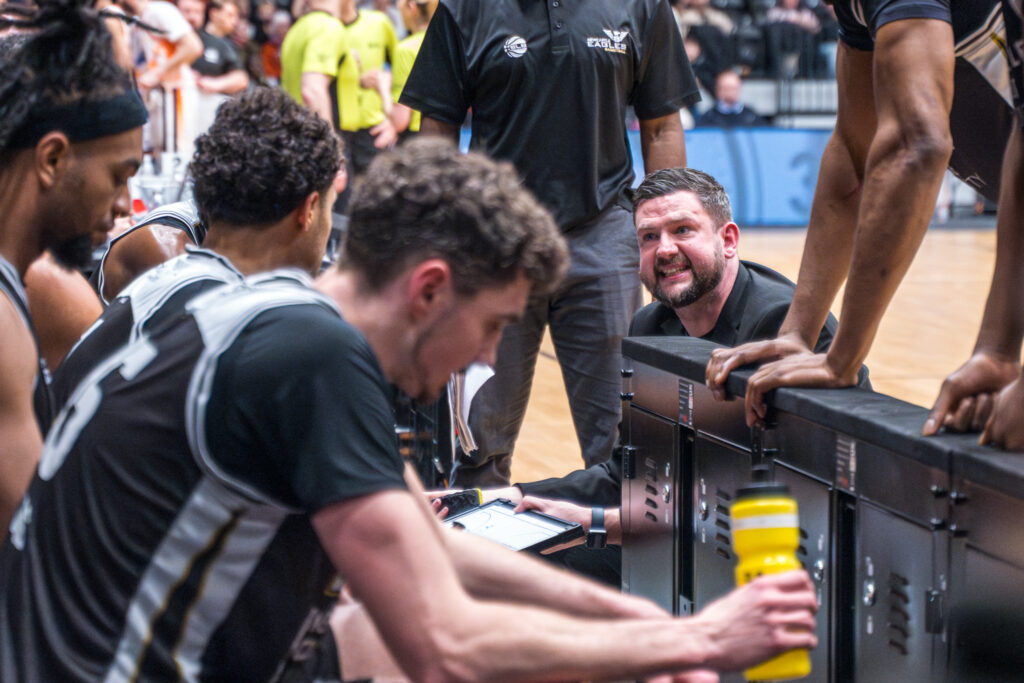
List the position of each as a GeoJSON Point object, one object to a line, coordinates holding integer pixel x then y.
{"type": "Point", "coordinates": [122, 205]}
{"type": "Point", "coordinates": [489, 354]}
{"type": "Point", "coordinates": [666, 245]}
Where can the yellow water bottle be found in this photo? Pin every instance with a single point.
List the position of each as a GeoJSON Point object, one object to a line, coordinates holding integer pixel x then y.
{"type": "Point", "coordinates": [765, 536]}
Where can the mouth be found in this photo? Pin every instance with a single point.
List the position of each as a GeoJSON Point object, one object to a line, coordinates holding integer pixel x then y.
{"type": "Point", "coordinates": [671, 272]}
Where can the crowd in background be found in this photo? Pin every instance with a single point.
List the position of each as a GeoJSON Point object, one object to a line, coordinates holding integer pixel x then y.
{"type": "Point", "coordinates": [241, 46]}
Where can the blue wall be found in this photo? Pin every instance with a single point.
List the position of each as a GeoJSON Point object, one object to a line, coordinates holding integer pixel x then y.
{"type": "Point", "coordinates": [769, 173]}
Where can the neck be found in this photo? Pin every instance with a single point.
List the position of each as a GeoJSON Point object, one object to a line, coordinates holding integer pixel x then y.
{"type": "Point", "coordinates": [252, 250]}
{"type": "Point", "coordinates": [373, 314]}
{"type": "Point", "coordinates": [212, 29]}
{"type": "Point", "coordinates": [20, 238]}
{"type": "Point", "coordinates": [700, 317]}
{"type": "Point", "coordinates": [348, 12]}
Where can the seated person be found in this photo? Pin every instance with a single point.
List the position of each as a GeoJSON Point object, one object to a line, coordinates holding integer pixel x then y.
{"type": "Point", "coordinates": [689, 262]}
{"type": "Point", "coordinates": [729, 110]}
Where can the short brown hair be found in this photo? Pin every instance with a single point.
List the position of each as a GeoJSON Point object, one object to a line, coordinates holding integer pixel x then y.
{"type": "Point", "coordinates": [426, 200]}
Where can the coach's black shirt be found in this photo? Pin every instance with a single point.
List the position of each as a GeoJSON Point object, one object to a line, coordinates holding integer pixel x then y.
{"type": "Point", "coordinates": [549, 83]}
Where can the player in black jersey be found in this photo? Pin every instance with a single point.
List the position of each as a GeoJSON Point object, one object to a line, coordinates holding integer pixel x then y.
{"type": "Point", "coordinates": [70, 137]}
{"type": "Point", "coordinates": [263, 174]}
{"type": "Point", "coordinates": [921, 85]}
{"type": "Point", "coordinates": [988, 390]}
{"type": "Point", "coordinates": [202, 484]}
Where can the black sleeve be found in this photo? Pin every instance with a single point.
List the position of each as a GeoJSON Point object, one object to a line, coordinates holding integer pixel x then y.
{"type": "Point", "coordinates": [665, 81]}
{"type": "Point", "coordinates": [438, 86]}
{"type": "Point", "coordinates": [599, 484]}
{"type": "Point", "coordinates": [300, 411]}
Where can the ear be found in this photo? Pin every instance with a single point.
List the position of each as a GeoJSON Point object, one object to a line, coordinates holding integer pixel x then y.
{"type": "Point", "coordinates": [730, 233]}
{"type": "Point", "coordinates": [429, 286]}
{"type": "Point", "coordinates": [52, 158]}
{"type": "Point", "coordinates": [306, 211]}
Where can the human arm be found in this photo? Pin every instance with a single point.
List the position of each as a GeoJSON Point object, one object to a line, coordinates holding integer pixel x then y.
{"type": "Point", "coordinates": [63, 306]}
{"type": "Point", "coordinates": [965, 400]}
{"type": "Point", "coordinates": [230, 83]}
{"type": "Point", "coordinates": [909, 149]}
{"type": "Point", "coordinates": [662, 143]}
{"type": "Point", "coordinates": [1005, 426]}
{"type": "Point", "coordinates": [315, 94]}
{"type": "Point", "coordinates": [581, 514]}
{"type": "Point", "coordinates": [385, 547]}
{"type": "Point", "coordinates": [19, 431]}
{"type": "Point", "coordinates": [187, 49]}
{"type": "Point", "coordinates": [136, 252]}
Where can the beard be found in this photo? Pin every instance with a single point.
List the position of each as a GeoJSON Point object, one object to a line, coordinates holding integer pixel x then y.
{"type": "Point", "coordinates": [702, 281]}
{"type": "Point", "coordinates": [74, 253]}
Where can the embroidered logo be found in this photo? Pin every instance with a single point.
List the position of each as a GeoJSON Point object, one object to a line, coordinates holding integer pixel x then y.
{"type": "Point", "coordinates": [515, 47]}
{"type": "Point", "coordinates": [614, 41]}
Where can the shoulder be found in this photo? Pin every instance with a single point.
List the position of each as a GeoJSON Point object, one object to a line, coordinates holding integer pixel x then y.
{"type": "Point", "coordinates": [648, 320]}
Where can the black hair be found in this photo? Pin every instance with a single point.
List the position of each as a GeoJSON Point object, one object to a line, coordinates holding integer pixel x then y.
{"type": "Point", "coordinates": [65, 58]}
{"type": "Point", "coordinates": [427, 200]}
{"type": "Point", "coordinates": [668, 181]}
{"type": "Point", "coordinates": [262, 156]}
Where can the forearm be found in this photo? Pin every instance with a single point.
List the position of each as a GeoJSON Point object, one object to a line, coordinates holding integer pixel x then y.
{"type": "Point", "coordinates": [662, 142]}
{"type": "Point", "coordinates": [229, 83]}
{"type": "Point", "coordinates": [491, 572]}
{"type": "Point", "coordinates": [186, 50]}
{"type": "Point", "coordinates": [899, 195]}
{"type": "Point", "coordinates": [315, 95]}
{"type": "Point", "coordinates": [1002, 327]}
{"type": "Point", "coordinates": [828, 244]}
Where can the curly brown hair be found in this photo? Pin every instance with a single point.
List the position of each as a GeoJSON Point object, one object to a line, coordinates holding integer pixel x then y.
{"type": "Point", "coordinates": [426, 199]}
{"type": "Point", "coordinates": [262, 156]}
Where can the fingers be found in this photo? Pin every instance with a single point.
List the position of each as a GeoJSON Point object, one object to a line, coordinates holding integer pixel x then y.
{"type": "Point", "coordinates": [982, 411]}
{"type": "Point", "coordinates": [940, 412]}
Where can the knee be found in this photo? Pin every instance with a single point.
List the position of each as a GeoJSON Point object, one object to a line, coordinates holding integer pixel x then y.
{"type": "Point", "coordinates": [919, 143]}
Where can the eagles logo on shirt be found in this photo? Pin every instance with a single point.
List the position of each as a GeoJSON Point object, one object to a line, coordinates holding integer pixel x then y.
{"type": "Point", "coordinates": [614, 42]}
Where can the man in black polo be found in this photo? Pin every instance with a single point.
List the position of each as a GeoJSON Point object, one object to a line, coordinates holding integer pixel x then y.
{"type": "Point", "coordinates": [548, 84]}
{"type": "Point", "coordinates": [689, 262]}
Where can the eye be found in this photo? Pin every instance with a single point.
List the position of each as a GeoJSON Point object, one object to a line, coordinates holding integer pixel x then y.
{"type": "Point", "coordinates": [648, 237]}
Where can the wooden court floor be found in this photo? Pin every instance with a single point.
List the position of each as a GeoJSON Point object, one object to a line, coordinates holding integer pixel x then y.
{"type": "Point", "coordinates": [928, 331]}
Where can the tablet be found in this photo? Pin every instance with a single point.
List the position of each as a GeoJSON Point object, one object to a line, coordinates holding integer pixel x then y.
{"type": "Point", "coordinates": [529, 530]}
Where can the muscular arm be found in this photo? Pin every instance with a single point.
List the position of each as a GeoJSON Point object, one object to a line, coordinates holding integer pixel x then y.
{"type": "Point", "coordinates": [383, 544]}
{"type": "Point", "coordinates": [491, 572]}
{"type": "Point", "coordinates": [912, 77]}
{"type": "Point", "coordinates": [315, 94]}
{"type": "Point", "coordinates": [429, 126]}
{"type": "Point", "coordinates": [964, 400]}
{"type": "Point", "coordinates": [19, 432]}
{"type": "Point", "coordinates": [662, 143]}
{"type": "Point", "coordinates": [63, 306]}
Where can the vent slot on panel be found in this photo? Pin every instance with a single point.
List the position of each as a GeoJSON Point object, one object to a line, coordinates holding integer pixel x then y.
{"type": "Point", "coordinates": [898, 619]}
{"type": "Point", "coordinates": [723, 526]}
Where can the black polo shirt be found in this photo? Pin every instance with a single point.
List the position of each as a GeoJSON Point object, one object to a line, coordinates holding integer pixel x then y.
{"type": "Point", "coordinates": [549, 83]}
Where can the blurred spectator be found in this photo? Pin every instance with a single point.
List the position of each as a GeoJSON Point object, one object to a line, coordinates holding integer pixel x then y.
{"type": "Point", "coordinates": [390, 8]}
{"type": "Point", "coordinates": [166, 57]}
{"type": "Point", "coordinates": [729, 110]}
{"type": "Point", "coordinates": [702, 68]}
{"type": "Point", "coordinates": [371, 37]}
{"type": "Point", "coordinates": [120, 43]}
{"type": "Point", "coordinates": [791, 39]}
{"type": "Point", "coordinates": [710, 27]}
{"type": "Point", "coordinates": [194, 12]}
{"type": "Point", "coordinates": [270, 50]}
{"type": "Point", "coordinates": [416, 15]}
{"type": "Point", "coordinates": [219, 72]}
{"type": "Point", "coordinates": [248, 50]}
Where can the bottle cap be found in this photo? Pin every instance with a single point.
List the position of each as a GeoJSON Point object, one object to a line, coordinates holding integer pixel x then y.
{"type": "Point", "coordinates": [762, 485]}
